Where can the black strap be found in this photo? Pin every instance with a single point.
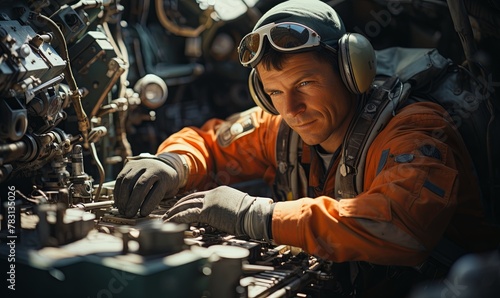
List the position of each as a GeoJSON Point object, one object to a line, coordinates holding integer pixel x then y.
{"type": "Point", "coordinates": [372, 118]}
{"type": "Point", "coordinates": [281, 187]}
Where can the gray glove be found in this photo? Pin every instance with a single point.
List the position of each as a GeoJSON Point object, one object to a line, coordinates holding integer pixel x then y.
{"type": "Point", "coordinates": [226, 209]}
{"type": "Point", "coordinates": [143, 182]}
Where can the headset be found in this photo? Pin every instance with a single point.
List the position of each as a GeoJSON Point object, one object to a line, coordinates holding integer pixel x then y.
{"type": "Point", "coordinates": [356, 58]}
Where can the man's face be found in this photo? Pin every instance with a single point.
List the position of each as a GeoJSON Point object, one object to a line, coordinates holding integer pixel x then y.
{"type": "Point", "coordinates": [311, 98]}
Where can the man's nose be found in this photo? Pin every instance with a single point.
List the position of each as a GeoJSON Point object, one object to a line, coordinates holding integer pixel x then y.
{"type": "Point", "coordinates": [294, 105]}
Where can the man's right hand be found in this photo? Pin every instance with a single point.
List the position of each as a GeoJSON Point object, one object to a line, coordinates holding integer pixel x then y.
{"type": "Point", "coordinates": [142, 184]}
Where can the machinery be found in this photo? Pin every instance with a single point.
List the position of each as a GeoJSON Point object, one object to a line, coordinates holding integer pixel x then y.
{"type": "Point", "coordinates": [65, 99]}
{"type": "Point", "coordinates": [81, 83]}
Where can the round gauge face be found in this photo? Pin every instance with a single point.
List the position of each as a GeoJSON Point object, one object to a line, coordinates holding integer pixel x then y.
{"type": "Point", "coordinates": [153, 96]}
{"type": "Point", "coordinates": [222, 46]}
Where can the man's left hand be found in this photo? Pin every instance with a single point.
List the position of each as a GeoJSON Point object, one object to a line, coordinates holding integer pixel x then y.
{"type": "Point", "coordinates": [226, 209]}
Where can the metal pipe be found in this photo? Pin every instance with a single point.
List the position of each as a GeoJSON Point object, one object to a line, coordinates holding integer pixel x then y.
{"type": "Point", "coordinates": [95, 205]}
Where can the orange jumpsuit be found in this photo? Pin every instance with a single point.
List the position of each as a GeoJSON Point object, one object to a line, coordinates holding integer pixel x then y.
{"type": "Point", "coordinates": [407, 204]}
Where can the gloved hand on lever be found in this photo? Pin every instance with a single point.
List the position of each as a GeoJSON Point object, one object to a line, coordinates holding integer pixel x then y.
{"type": "Point", "coordinates": [226, 209]}
{"type": "Point", "coordinates": [145, 180]}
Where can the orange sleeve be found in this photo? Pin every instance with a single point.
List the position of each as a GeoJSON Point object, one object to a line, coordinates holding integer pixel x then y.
{"type": "Point", "coordinates": [212, 162]}
{"type": "Point", "coordinates": [407, 203]}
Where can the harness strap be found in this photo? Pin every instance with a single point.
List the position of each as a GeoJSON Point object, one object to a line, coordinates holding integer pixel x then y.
{"type": "Point", "coordinates": [379, 109]}
{"type": "Point", "coordinates": [282, 186]}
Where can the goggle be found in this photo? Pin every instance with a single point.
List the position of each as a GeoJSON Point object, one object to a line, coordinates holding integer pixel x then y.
{"type": "Point", "coordinates": [284, 37]}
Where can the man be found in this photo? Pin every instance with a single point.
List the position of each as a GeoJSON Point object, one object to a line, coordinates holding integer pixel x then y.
{"type": "Point", "coordinates": [411, 197]}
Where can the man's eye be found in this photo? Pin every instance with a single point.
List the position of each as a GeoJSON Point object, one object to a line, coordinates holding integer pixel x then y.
{"type": "Point", "coordinates": [304, 83]}
{"type": "Point", "coordinates": [274, 93]}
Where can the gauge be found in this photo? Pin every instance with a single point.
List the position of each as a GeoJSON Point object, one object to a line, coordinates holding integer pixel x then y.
{"type": "Point", "coordinates": [152, 90]}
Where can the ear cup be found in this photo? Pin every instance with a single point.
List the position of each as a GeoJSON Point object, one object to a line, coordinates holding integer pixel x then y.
{"type": "Point", "coordinates": [356, 62]}
{"type": "Point", "coordinates": [258, 95]}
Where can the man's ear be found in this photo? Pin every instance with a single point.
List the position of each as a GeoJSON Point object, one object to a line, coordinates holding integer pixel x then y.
{"type": "Point", "coordinates": [356, 62]}
{"type": "Point", "coordinates": [258, 95]}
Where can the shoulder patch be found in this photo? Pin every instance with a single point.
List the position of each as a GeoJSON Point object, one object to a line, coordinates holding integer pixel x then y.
{"type": "Point", "coordinates": [430, 151]}
{"type": "Point", "coordinates": [235, 127]}
{"type": "Point", "coordinates": [404, 158]}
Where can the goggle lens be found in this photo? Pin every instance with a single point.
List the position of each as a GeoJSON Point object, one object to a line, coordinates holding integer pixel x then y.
{"type": "Point", "coordinates": [290, 36]}
{"type": "Point", "coordinates": [284, 37]}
